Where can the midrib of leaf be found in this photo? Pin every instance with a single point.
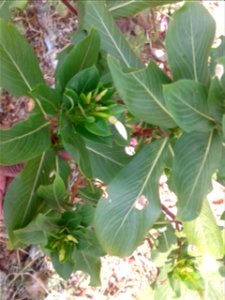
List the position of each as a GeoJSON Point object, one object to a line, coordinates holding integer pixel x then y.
{"type": "Point", "coordinates": [105, 156]}
{"type": "Point", "coordinates": [86, 261]}
{"type": "Point", "coordinates": [152, 96]}
{"type": "Point", "coordinates": [121, 5]}
{"type": "Point", "coordinates": [128, 65]}
{"type": "Point", "coordinates": [194, 109]}
{"type": "Point", "coordinates": [23, 77]}
{"type": "Point", "coordinates": [85, 55]}
{"type": "Point", "coordinates": [166, 241]}
{"type": "Point", "coordinates": [17, 67]}
{"type": "Point", "coordinates": [111, 37]}
{"type": "Point", "coordinates": [200, 170]}
{"type": "Point", "coordinates": [171, 150]}
{"type": "Point", "coordinates": [193, 50]}
{"type": "Point", "coordinates": [26, 134]}
{"type": "Point", "coordinates": [142, 187]}
{"type": "Point", "coordinates": [34, 186]}
{"type": "Point", "coordinates": [56, 198]}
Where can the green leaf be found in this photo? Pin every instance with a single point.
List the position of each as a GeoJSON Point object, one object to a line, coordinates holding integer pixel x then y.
{"type": "Point", "coordinates": [204, 233]}
{"type": "Point", "coordinates": [24, 141]}
{"type": "Point", "coordinates": [19, 68]}
{"type": "Point", "coordinates": [34, 232]}
{"type": "Point", "coordinates": [132, 203]}
{"type": "Point", "coordinates": [186, 100]}
{"type": "Point", "coordinates": [100, 127]}
{"type": "Point", "coordinates": [121, 8]}
{"type": "Point", "coordinates": [63, 169]}
{"type": "Point", "coordinates": [75, 146]}
{"type": "Point", "coordinates": [21, 201]}
{"type": "Point", "coordinates": [90, 194]}
{"type": "Point", "coordinates": [82, 56]}
{"type": "Point", "coordinates": [188, 42]}
{"type": "Point", "coordinates": [197, 156]}
{"type": "Point", "coordinates": [166, 239]}
{"type": "Point", "coordinates": [87, 260]}
{"type": "Point", "coordinates": [216, 98]}
{"type": "Point", "coordinates": [216, 54]}
{"type": "Point", "coordinates": [112, 40]}
{"type": "Point", "coordinates": [106, 140]}
{"type": "Point", "coordinates": [64, 269]}
{"type": "Point", "coordinates": [84, 81]}
{"type": "Point", "coordinates": [142, 92]}
{"type": "Point", "coordinates": [54, 195]}
{"type": "Point", "coordinates": [50, 98]}
{"type": "Point", "coordinates": [106, 161]}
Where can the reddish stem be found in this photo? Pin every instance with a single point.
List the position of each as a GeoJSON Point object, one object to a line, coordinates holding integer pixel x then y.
{"type": "Point", "coordinates": [172, 216]}
{"type": "Point", "coordinates": [69, 6]}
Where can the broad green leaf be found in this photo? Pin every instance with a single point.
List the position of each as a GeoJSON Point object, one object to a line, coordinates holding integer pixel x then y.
{"type": "Point", "coordinates": [55, 194]}
{"type": "Point", "coordinates": [82, 56]}
{"type": "Point", "coordinates": [132, 203]}
{"type": "Point", "coordinates": [100, 127]}
{"type": "Point", "coordinates": [90, 194]}
{"type": "Point", "coordinates": [121, 9]}
{"type": "Point", "coordinates": [166, 239]}
{"type": "Point", "coordinates": [24, 141]}
{"type": "Point", "coordinates": [50, 98]}
{"type": "Point", "coordinates": [75, 146]}
{"type": "Point", "coordinates": [197, 156]}
{"type": "Point", "coordinates": [21, 201]}
{"type": "Point", "coordinates": [216, 98]}
{"type": "Point", "coordinates": [35, 231]}
{"type": "Point", "coordinates": [63, 169]}
{"type": "Point", "coordinates": [188, 42]}
{"type": "Point", "coordinates": [187, 101]}
{"type": "Point", "coordinates": [106, 161]}
{"type": "Point", "coordinates": [113, 42]}
{"type": "Point", "coordinates": [216, 54]}
{"type": "Point", "coordinates": [142, 92]}
{"type": "Point", "coordinates": [83, 132]}
{"type": "Point", "coordinates": [84, 81]}
{"type": "Point", "coordinates": [204, 233]}
{"type": "Point", "coordinates": [88, 259]}
{"type": "Point", "coordinates": [64, 269]}
{"type": "Point", "coordinates": [19, 69]}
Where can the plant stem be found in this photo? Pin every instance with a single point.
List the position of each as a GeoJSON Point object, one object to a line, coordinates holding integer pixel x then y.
{"type": "Point", "coordinates": [69, 6]}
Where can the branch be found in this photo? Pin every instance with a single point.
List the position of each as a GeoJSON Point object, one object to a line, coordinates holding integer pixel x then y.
{"type": "Point", "coordinates": [69, 6]}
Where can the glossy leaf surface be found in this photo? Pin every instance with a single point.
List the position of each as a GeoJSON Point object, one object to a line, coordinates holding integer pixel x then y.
{"type": "Point", "coordinates": [187, 101]}
{"type": "Point", "coordinates": [82, 56]}
{"type": "Point", "coordinates": [204, 233]}
{"type": "Point", "coordinates": [188, 42]}
{"type": "Point", "coordinates": [142, 92]}
{"type": "Point", "coordinates": [24, 141]}
{"type": "Point", "coordinates": [121, 9]}
{"type": "Point", "coordinates": [21, 202]}
{"type": "Point", "coordinates": [132, 203]}
{"type": "Point", "coordinates": [106, 161]}
{"type": "Point", "coordinates": [197, 156]}
{"type": "Point", "coordinates": [18, 62]}
{"type": "Point", "coordinates": [112, 40]}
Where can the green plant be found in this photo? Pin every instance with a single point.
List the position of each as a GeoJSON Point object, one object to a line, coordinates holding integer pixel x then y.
{"type": "Point", "coordinates": [82, 116]}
